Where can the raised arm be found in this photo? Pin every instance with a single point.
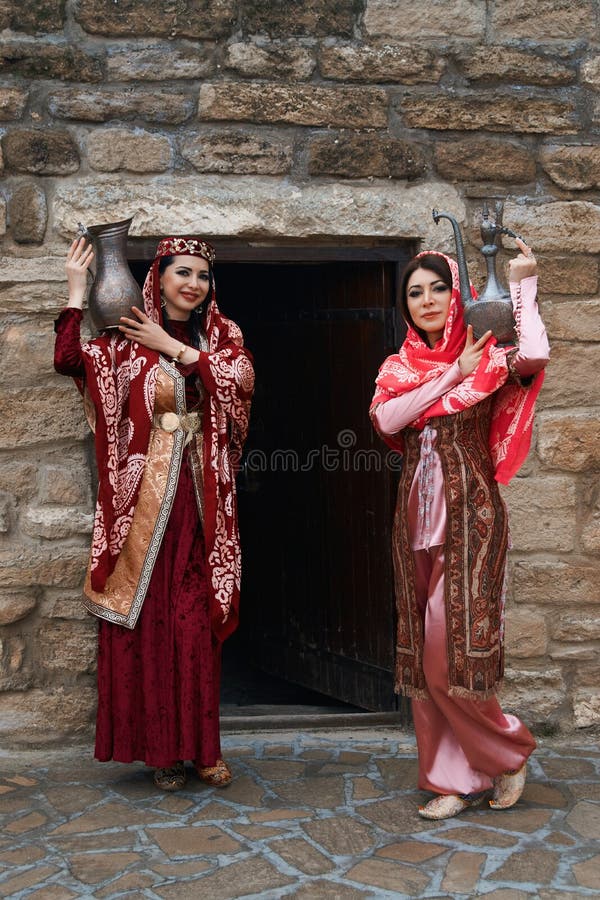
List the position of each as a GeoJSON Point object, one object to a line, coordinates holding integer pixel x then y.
{"type": "Point", "coordinates": [533, 351]}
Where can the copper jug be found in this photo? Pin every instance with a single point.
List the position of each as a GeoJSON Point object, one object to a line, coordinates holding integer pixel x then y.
{"type": "Point", "coordinates": [493, 308]}
{"type": "Point", "coordinates": [114, 289]}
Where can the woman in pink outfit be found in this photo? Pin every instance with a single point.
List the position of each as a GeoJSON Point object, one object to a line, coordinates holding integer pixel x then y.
{"type": "Point", "coordinates": [460, 412]}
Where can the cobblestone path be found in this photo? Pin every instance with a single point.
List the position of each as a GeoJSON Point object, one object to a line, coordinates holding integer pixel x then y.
{"type": "Point", "coordinates": [310, 815]}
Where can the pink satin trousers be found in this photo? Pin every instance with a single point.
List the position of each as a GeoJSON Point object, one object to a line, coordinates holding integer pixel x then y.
{"type": "Point", "coordinates": [462, 743]}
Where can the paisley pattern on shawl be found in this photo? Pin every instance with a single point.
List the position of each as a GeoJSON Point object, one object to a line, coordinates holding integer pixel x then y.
{"type": "Point", "coordinates": [120, 379]}
{"type": "Point", "coordinates": [227, 374]}
{"type": "Point", "coordinates": [416, 363]}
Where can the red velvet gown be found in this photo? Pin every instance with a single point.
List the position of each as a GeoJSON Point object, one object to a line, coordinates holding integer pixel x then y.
{"type": "Point", "coordinates": [159, 684]}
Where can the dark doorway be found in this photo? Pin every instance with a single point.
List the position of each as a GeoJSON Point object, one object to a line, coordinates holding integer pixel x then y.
{"type": "Point", "coordinates": [317, 489]}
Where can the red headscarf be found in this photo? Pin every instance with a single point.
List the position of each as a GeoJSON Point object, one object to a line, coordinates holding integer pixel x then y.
{"type": "Point", "coordinates": [416, 363]}
{"type": "Point", "coordinates": [121, 379]}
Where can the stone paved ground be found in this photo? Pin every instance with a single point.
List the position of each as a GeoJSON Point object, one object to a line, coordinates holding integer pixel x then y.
{"type": "Point", "coordinates": [310, 815]}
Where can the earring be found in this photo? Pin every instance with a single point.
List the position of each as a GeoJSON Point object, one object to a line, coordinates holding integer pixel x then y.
{"type": "Point", "coordinates": [163, 300]}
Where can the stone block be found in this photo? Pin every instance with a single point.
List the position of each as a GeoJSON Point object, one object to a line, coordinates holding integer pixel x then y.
{"type": "Point", "coordinates": [240, 152]}
{"type": "Point", "coordinates": [589, 72]}
{"type": "Point", "coordinates": [38, 416]}
{"type": "Point", "coordinates": [586, 710]}
{"type": "Point", "coordinates": [58, 60]}
{"type": "Point", "coordinates": [571, 275]}
{"type": "Point", "coordinates": [388, 62]}
{"type": "Point", "coordinates": [473, 159]}
{"type": "Point", "coordinates": [44, 716]}
{"type": "Point", "coordinates": [573, 320]}
{"type": "Point", "coordinates": [569, 440]}
{"type": "Point", "coordinates": [343, 107]}
{"type": "Point", "coordinates": [526, 633]}
{"type": "Point", "coordinates": [59, 603]}
{"type": "Point", "coordinates": [572, 167]}
{"type": "Point", "coordinates": [489, 111]}
{"type": "Point", "coordinates": [437, 19]}
{"type": "Point", "coordinates": [561, 226]}
{"type": "Point", "coordinates": [68, 646]}
{"type": "Point", "coordinates": [258, 207]}
{"type": "Point", "coordinates": [462, 872]}
{"type": "Point", "coordinates": [37, 299]}
{"type": "Point", "coordinates": [101, 105]}
{"type": "Point", "coordinates": [24, 566]}
{"type": "Point", "coordinates": [33, 340]}
{"type": "Point", "coordinates": [39, 151]}
{"type": "Point", "coordinates": [18, 478]}
{"type": "Point", "coordinates": [590, 536]}
{"type": "Point", "coordinates": [542, 512]}
{"type": "Point", "coordinates": [56, 523]}
{"type": "Point", "coordinates": [201, 19]}
{"type": "Point", "coordinates": [556, 582]}
{"type": "Point", "coordinates": [387, 875]}
{"type": "Point", "coordinates": [142, 61]}
{"type": "Point", "coordinates": [2, 216]}
{"type": "Point", "coordinates": [12, 103]}
{"type": "Point", "coordinates": [362, 156]}
{"type": "Point", "coordinates": [558, 20]}
{"type": "Point", "coordinates": [12, 654]}
{"type": "Point", "coordinates": [31, 269]}
{"type": "Point", "coordinates": [6, 504]}
{"type": "Point", "coordinates": [341, 835]}
{"type": "Point", "coordinates": [576, 626]}
{"type": "Point", "coordinates": [33, 18]}
{"type": "Point", "coordinates": [16, 605]}
{"type": "Point", "coordinates": [528, 866]}
{"type": "Point", "coordinates": [571, 376]}
{"type": "Point", "coordinates": [494, 63]}
{"type": "Point", "coordinates": [117, 149]}
{"type": "Point", "coordinates": [313, 18]}
{"type": "Point", "coordinates": [28, 214]}
{"type": "Point", "coordinates": [68, 484]}
{"type": "Point", "coordinates": [280, 60]}
{"type": "Point", "coordinates": [537, 695]}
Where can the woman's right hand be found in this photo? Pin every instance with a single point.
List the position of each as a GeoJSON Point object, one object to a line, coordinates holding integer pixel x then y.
{"type": "Point", "coordinates": [470, 358]}
{"type": "Point", "coordinates": [79, 258]}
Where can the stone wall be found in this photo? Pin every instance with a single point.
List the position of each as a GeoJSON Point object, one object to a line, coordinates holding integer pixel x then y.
{"type": "Point", "coordinates": [338, 120]}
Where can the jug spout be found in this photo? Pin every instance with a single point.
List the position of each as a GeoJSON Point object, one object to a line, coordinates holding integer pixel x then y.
{"type": "Point", "coordinates": [463, 273]}
{"type": "Point", "coordinates": [493, 310]}
{"type": "Point", "coordinates": [114, 290]}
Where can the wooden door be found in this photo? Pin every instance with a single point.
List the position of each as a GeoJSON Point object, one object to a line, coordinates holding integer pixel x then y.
{"type": "Point", "coordinates": [317, 494]}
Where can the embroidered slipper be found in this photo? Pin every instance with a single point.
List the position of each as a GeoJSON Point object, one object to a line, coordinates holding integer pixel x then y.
{"type": "Point", "coordinates": [170, 778]}
{"type": "Point", "coordinates": [508, 787]}
{"type": "Point", "coordinates": [218, 775]}
{"type": "Point", "coordinates": [447, 805]}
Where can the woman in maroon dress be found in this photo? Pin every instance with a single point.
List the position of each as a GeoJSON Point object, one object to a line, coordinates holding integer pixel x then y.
{"type": "Point", "coordinates": [168, 397]}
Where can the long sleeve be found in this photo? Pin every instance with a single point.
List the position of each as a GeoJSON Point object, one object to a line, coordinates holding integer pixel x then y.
{"type": "Point", "coordinates": [68, 359]}
{"type": "Point", "coordinates": [533, 351]}
{"type": "Point", "coordinates": [394, 414]}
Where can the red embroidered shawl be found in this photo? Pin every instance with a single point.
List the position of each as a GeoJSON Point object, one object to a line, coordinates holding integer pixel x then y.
{"type": "Point", "coordinates": [121, 379]}
{"type": "Point", "coordinates": [416, 363]}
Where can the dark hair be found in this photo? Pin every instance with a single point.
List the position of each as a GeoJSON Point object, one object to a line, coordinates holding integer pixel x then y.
{"type": "Point", "coordinates": [433, 263]}
{"type": "Point", "coordinates": [195, 322]}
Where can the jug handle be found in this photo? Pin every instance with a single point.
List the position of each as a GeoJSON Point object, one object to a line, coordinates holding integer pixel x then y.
{"type": "Point", "coordinates": [82, 232]}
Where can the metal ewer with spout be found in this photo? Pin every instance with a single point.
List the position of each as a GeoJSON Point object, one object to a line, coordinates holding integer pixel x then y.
{"type": "Point", "coordinates": [493, 309]}
{"type": "Point", "coordinates": [114, 289]}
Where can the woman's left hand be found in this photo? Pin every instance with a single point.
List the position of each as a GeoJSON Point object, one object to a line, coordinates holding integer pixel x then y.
{"type": "Point", "coordinates": [524, 265]}
{"type": "Point", "coordinates": [148, 333]}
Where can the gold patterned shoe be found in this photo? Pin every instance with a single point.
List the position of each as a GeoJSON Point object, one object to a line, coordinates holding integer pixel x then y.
{"type": "Point", "coordinates": [218, 775]}
{"type": "Point", "coordinates": [170, 778]}
{"type": "Point", "coordinates": [508, 787]}
{"type": "Point", "coordinates": [447, 805]}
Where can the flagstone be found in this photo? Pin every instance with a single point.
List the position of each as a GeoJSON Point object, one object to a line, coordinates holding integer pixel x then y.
{"type": "Point", "coordinates": [537, 866]}
{"type": "Point", "coordinates": [256, 875]}
{"type": "Point", "coordinates": [279, 750]}
{"type": "Point", "coordinates": [365, 789]}
{"type": "Point", "coordinates": [389, 876]}
{"type": "Point", "coordinates": [77, 843]}
{"type": "Point", "coordinates": [398, 816]}
{"type": "Point", "coordinates": [53, 892]}
{"type": "Point", "coordinates": [561, 769]}
{"type": "Point", "coordinates": [585, 791]}
{"type": "Point", "coordinates": [220, 812]}
{"type": "Point", "coordinates": [36, 875]}
{"type": "Point", "coordinates": [341, 835]}
{"type": "Point", "coordinates": [257, 832]}
{"type": "Point", "coordinates": [321, 792]}
{"type": "Point", "coordinates": [411, 851]}
{"type": "Point", "coordinates": [278, 769]}
{"type": "Point", "coordinates": [244, 790]}
{"type": "Point", "coordinates": [584, 818]}
{"type": "Point", "coordinates": [26, 823]}
{"type": "Point", "coordinates": [73, 799]}
{"type": "Point", "coordinates": [133, 882]}
{"type": "Point", "coordinates": [196, 840]}
{"type": "Point", "coordinates": [22, 781]}
{"type": "Point", "coordinates": [462, 872]}
{"type": "Point", "coordinates": [111, 814]}
{"type": "Point", "coordinates": [544, 795]}
{"type": "Point", "coordinates": [509, 894]}
{"type": "Point", "coordinates": [353, 757]}
{"type": "Point", "coordinates": [92, 868]}
{"type": "Point", "coordinates": [21, 856]}
{"type": "Point", "coordinates": [398, 774]}
{"type": "Point", "coordinates": [279, 815]}
{"type": "Point", "coordinates": [480, 837]}
{"type": "Point", "coordinates": [328, 890]}
{"type": "Point", "coordinates": [181, 869]}
{"type": "Point", "coordinates": [303, 856]}
{"type": "Point", "coordinates": [515, 819]}
{"type": "Point", "coordinates": [559, 837]}
{"type": "Point", "coordinates": [6, 788]}
{"type": "Point", "coordinates": [315, 754]}
{"type": "Point", "coordinates": [175, 805]}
